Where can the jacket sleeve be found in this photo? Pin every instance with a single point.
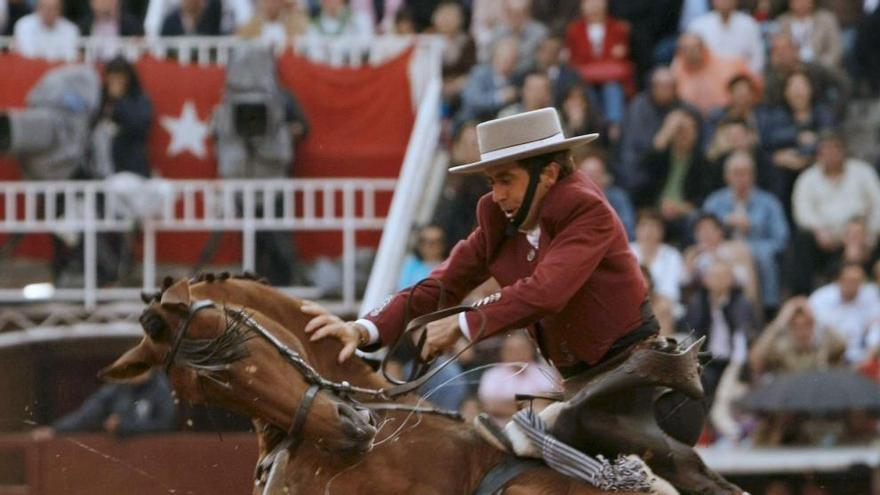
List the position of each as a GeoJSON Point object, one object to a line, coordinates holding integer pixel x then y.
{"type": "Point", "coordinates": [464, 270]}
{"type": "Point", "coordinates": [572, 256]}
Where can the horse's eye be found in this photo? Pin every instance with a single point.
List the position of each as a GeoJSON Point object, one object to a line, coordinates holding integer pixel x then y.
{"type": "Point", "coordinates": [154, 325]}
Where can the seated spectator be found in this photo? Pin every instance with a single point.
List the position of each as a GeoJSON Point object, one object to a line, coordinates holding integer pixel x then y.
{"type": "Point", "coordinates": [744, 98]}
{"type": "Point", "coordinates": [429, 251]}
{"type": "Point", "coordinates": [644, 115]}
{"type": "Point", "coordinates": [790, 133]}
{"type": "Point", "coordinates": [710, 245]}
{"type": "Point", "coordinates": [815, 31]}
{"type": "Point", "coordinates": [721, 312]}
{"type": "Point", "coordinates": [733, 135]}
{"type": "Point", "coordinates": [518, 373]}
{"type": "Point", "coordinates": [462, 191]}
{"type": "Point", "coordinates": [404, 23]}
{"type": "Point", "coordinates": [830, 87]}
{"type": "Point", "coordinates": [517, 23]}
{"type": "Point", "coordinates": [45, 34]}
{"type": "Point", "coordinates": [536, 93]}
{"type": "Point", "coordinates": [275, 23]}
{"type": "Point", "coordinates": [143, 405]}
{"type": "Point", "coordinates": [580, 115]}
{"type": "Point", "coordinates": [794, 342]}
{"type": "Point", "coordinates": [335, 18]}
{"type": "Point", "coordinates": [599, 50]}
{"type": "Point", "coordinates": [193, 18]}
{"type": "Point", "coordinates": [595, 167]}
{"type": "Point", "coordinates": [702, 76]}
{"type": "Point", "coordinates": [486, 15]}
{"type": "Point", "coordinates": [826, 196]}
{"type": "Point", "coordinates": [676, 172]}
{"type": "Point", "coordinates": [663, 261]}
{"type": "Point", "coordinates": [754, 216]}
{"type": "Point", "coordinates": [859, 246]}
{"type": "Point", "coordinates": [730, 33]}
{"type": "Point", "coordinates": [849, 306]}
{"type": "Point", "coordinates": [107, 20]}
{"type": "Point", "coordinates": [490, 87]}
{"type": "Point", "coordinates": [459, 51]}
{"type": "Point", "coordinates": [562, 76]}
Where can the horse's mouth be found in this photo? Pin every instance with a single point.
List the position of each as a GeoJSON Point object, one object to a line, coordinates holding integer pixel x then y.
{"type": "Point", "coordinates": [359, 426]}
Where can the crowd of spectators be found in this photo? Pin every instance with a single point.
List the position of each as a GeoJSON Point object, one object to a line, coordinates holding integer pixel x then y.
{"type": "Point", "coordinates": [723, 153]}
{"type": "Point", "coordinates": [722, 147]}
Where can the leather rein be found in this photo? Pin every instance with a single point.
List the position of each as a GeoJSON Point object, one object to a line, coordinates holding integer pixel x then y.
{"type": "Point", "coordinates": [316, 382]}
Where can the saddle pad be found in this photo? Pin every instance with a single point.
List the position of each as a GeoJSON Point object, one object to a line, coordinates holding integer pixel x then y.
{"type": "Point", "coordinates": [623, 475]}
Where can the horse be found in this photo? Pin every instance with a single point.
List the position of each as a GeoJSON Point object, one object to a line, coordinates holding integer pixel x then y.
{"type": "Point", "coordinates": [610, 424]}
{"type": "Point", "coordinates": [425, 453]}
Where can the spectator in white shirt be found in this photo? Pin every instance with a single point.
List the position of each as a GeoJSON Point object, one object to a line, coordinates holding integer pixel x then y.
{"type": "Point", "coordinates": [663, 261]}
{"type": "Point", "coordinates": [849, 306]}
{"type": "Point", "coordinates": [45, 34]}
{"type": "Point", "coordinates": [519, 24]}
{"type": "Point", "coordinates": [731, 33]}
{"type": "Point", "coordinates": [826, 196]}
{"type": "Point", "coordinates": [275, 23]}
{"type": "Point", "coordinates": [337, 19]}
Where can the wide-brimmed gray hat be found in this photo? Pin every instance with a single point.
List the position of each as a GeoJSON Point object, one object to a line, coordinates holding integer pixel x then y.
{"type": "Point", "coordinates": [520, 136]}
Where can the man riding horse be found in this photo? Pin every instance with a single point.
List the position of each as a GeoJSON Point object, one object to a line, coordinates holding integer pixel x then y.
{"type": "Point", "coordinates": [552, 241]}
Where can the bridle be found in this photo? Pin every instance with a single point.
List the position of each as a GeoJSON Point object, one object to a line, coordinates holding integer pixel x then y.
{"type": "Point", "coordinates": [317, 383]}
{"type": "Point", "coordinates": [344, 390]}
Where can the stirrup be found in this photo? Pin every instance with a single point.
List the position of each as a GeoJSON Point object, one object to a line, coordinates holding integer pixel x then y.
{"type": "Point", "coordinates": [492, 434]}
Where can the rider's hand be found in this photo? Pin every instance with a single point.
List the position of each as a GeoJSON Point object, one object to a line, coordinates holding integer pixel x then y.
{"type": "Point", "coordinates": [325, 324]}
{"type": "Point", "coordinates": [442, 336]}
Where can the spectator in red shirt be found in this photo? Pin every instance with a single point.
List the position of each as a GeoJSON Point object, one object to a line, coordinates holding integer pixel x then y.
{"type": "Point", "coordinates": [599, 48]}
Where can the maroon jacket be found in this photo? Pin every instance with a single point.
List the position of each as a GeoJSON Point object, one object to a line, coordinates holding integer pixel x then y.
{"type": "Point", "coordinates": [577, 296]}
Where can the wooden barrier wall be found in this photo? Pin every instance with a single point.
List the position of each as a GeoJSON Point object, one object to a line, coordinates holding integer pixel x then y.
{"type": "Point", "coordinates": [147, 465]}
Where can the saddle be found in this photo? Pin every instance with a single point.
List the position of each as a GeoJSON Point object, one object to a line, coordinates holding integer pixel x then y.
{"type": "Point", "coordinates": [610, 411]}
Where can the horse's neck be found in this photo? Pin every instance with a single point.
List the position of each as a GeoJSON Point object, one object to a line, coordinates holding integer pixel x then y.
{"type": "Point", "coordinates": [286, 311]}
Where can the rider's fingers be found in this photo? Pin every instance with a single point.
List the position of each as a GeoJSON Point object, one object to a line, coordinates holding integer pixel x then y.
{"type": "Point", "coordinates": [347, 352]}
{"type": "Point", "coordinates": [329, 330]}
{"type": "Point", "coordinates": [313, 308]}
{"type": "Point", "coordinates": [318, 322]}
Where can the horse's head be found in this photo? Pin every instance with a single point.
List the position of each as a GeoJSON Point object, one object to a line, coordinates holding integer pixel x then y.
{"type": "Point", "coordinates": [233, 358]}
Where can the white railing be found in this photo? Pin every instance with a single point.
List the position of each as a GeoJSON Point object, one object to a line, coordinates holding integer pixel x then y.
{"type": "Point", "coordinates": [205, 50]}
{"type": "Point", "coordinates": [425, 83]}
{"type": "Point", "coordinates": [343, 205]}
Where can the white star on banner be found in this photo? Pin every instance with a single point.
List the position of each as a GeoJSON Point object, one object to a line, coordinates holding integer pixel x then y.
{"type": "Point", "coordinates": [187, 132]}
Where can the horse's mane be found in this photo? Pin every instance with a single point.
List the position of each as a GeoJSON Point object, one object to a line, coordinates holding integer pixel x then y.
{"type": "Point", "coordinates": [209, 277]}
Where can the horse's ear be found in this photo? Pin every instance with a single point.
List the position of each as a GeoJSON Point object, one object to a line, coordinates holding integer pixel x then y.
{"type": "Point", "coordinates": [133, 363]}
{"type": "Point", "coordinates": [177, 296]}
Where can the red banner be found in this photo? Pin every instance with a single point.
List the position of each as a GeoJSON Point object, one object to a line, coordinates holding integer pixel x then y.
{"type": "Point", "coordinates": [360, 123]}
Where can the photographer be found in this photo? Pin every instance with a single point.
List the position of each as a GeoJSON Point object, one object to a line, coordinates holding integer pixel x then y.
{"type": "Point", "coordinates": [119, 153]}
{"type": "Point", "coordinates": [255, 128]}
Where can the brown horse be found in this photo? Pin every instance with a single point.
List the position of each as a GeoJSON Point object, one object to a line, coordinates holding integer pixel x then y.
{"type": "Point", "coordinates": [203, 347]}
{"type": "Point", "coordinates": [414, 453]}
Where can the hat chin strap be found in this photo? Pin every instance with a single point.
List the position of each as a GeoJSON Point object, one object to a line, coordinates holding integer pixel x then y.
{"type": "Point", "coordinates": [523, 212]}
